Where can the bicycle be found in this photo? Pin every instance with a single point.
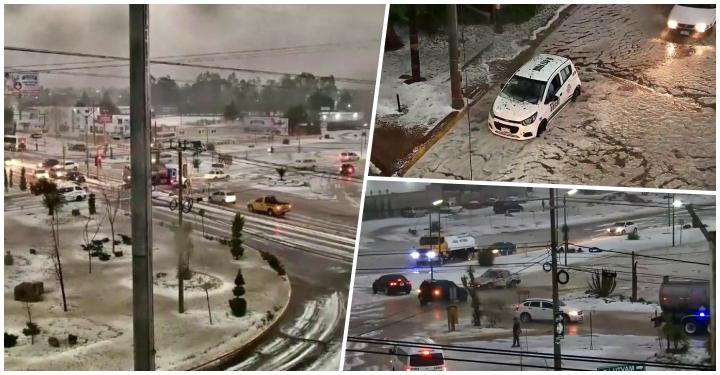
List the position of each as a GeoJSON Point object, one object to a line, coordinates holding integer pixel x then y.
{"type": "Point", "coordinates": [186, 206]}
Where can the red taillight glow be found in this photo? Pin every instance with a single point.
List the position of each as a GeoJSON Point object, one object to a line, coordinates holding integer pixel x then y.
{"type": "Point", "coordinates": [393, 284]}
{"type": "Point", "coordinates": [436, 292]}
{"type": "Point", "coordinates": [425, 352]}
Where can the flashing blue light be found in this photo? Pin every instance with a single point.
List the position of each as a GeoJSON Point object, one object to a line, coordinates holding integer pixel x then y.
{"type": "Point", "coordinates": [702, 314]}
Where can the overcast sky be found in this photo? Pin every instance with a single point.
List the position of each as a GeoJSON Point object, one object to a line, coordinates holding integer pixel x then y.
{"type": "Point", "coordinates": [396, 186]}
{"type": "Point", "coordinates": [195, 29]}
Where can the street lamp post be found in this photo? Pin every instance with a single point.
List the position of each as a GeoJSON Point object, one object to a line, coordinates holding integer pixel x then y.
{"type": "Point", "coordinates": [566, 230]}
{"type": "Point", "coordinates": [676, 204]}
{"type": "Point", "coordinates": [431, 254]}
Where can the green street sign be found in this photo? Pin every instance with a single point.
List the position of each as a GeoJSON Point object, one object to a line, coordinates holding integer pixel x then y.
{"type": "Point", "coordinates": [625, 367]}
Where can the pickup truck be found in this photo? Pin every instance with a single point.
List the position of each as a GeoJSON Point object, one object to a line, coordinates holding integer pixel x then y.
{"type": "Point", "coordinates": [497, 278]}
{"type": "Point", "coordinates": [269, 205]}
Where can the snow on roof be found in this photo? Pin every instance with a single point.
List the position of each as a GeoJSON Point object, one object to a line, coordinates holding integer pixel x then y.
{"type": "Point", "coordinates": [541, 67]}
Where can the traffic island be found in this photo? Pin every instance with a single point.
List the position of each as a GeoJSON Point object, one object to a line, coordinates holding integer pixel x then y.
{"type": "Point", "coordinates": [96, 331]}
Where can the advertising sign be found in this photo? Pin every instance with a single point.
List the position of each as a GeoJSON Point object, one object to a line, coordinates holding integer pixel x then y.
{"type": "Point", "coordinates": [22, 82]}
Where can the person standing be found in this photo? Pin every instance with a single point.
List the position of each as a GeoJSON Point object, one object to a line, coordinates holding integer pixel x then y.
{"type": "Point", "coordinates": [516, 332]}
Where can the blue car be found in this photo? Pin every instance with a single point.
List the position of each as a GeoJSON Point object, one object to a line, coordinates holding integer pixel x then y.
{"type": "Point", "coordinates": [503, 248]}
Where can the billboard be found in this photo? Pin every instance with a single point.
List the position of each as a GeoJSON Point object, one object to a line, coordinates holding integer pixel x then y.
{"type": "Point", "coordinates": [22, 82]}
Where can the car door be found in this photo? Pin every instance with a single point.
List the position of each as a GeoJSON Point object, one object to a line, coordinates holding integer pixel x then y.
{"type": "Point", "coordinates": [533, 309]}
{"type": "Point", "coordinates": [567, 89]}
{"type": "Point", "coordinates": [546, 311]}
{"type": "Point", "coordinates": [554, 88]}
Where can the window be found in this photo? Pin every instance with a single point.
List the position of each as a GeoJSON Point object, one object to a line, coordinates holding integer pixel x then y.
{"type": "Point", "coordinates": [547, 305]}
{"type": "Point", "coordinates": [566, 72]}
{"type": "Point", "coordinates": [553, 87]}
{"type": "Point", "coordinates": [535, 304]}
{"type": "Point", "coordinates": [527, 304]}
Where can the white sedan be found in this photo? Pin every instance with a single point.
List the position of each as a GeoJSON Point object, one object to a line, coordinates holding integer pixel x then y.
{"type": "Point", "coordinates": [622, 228]}
{"type": "Point", "coordinates": [223, 197]}
{"type": "Point", "coordinates": [216, 174]}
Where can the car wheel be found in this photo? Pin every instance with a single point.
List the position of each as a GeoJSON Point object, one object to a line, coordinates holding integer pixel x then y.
{"type": "Point", "coordinates": [270, 213]}
{"type": "Point", "coordinates": [525, 317]}
{"type": "Point", "coordinates": [690, 327]}
{"type": "Point", "coordinates": [79, 198]}
{"type": "Point", "coordinates": [635, 231]}
{"type": "Point", "coordinates": [374, 290]}
{"type": "Point", "coordinates": [622, 233]}
{"type": "Point", "coordinates": [541, 128]}
{"type": "Point", "coordinates": [576, 93]}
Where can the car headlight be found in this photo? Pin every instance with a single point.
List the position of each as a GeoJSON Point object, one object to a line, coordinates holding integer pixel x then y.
{"type": "Point", "coordinates": [573, 313]}
{"type": "Point", "coordinates": [672, 24]}
{"type": "Point", "coordinates": [700, 27]}
{"type": "Point", "coordinates": [415, 255]}
{"type": "Point", "coordinates": [430, 254]}
{"type": "Point", "coordinates": [530, 119]}
{"type": "Point", "coordinates": [496, 251]}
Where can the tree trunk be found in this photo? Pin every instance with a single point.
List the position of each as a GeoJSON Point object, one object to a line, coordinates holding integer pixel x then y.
{"type": "Point", "coordinates": [392, 41]}
{"type": "Point", "coordinates": [56, 238]}
{"type": "Point", "coordinates": [414, 48]}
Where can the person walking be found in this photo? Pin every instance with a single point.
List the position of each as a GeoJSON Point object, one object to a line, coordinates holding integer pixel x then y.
{"type": "Point", "coordinates": [516, 332]}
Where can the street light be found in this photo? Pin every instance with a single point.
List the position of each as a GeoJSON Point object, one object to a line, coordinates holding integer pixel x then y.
{"type": "Point", "coordinates": [431, 254]}
{"type": "Point", "coordinates": [565, 227]}
{"type": "Point", "coordinates": [675, 204]}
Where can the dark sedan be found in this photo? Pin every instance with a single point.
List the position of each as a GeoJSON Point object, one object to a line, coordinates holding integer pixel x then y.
{"type": "Point", "coordinates": [392, 284]}
{"type": "Point", "coordinates": [440, 290]}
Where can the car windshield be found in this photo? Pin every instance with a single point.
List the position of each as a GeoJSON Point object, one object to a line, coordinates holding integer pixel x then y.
{"type": "Point", "coordinates": [424, 360]}
{"type": "Point", "coordinates": [523, 89]}
{"type": "Point", "coordinates": [619, 224]}
{"type": "Point", "coordinates": [488, 273]}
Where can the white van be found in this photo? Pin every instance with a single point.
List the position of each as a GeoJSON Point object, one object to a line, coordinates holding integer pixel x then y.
{"type": "Point", "coordinates": [417, 358]}
{"type": "Point", "coordinates": [305, 163]}
{"type": "Point", "coordinates": [533, 96]}
{"type": "Point", "coordinates": [349, 156]}
{"type": "Point", "coordinates": [71, 192]}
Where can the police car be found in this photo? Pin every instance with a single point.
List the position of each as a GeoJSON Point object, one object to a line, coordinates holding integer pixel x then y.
{"type": "Point", "coordinates": [533, 96]}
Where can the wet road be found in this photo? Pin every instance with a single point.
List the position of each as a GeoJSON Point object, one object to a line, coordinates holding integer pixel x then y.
{"type": "Point", "coordinates": [646, 116]}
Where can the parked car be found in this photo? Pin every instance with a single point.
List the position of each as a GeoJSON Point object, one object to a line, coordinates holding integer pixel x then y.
{"type": "Point", "coordinates": [497, 278]}
{"type": "Point", "coordinates": [41, 173]}
{"type": "Point", "coordinates": [57, 172]}
{"type": "Point", "coordinates": [692, 19]}
{"type": "Point", "coordinates": [392, 284]}
{"type": "Point", "coordinates": [77, 147]}
{"type": "Point", "coordinates": [75, 176]}
{"type": "Point", "coordinates": [533, 96]}
{"type": "Point", "coordinates": [440, 290]}
{"type": "Point", "coordinates": [71, 192]}
{"type": "Point", "coordinates": [474, 205]}
{"type": "Point", "coordinates": [542, 309]}
{"type": "Point", "coordinates": [621, 228]}
{"type": "Point", "coordinates": [413, 212]}
{"type": "Point", "coordinates": [501, 207]}
{"type": "Point", "coordinates": [48, 163]}
{"type": "Point", "coordinates": [69, 165]}
{"type": "Point", "coordinates": [270, 205]}
{"type": "Point", "coordinates": [216, 174]}
{"type": "Point", "coordinates": [36, 135]}
{"type": "Point", "coordinates": [307, 163]}
{"type": "Point", "coordinates": [347, 170]}
{"type": "Point", "coordinates": [415, 357]}
{"type": "Point", "coordinates": [503, 248]}
{"type": "Point", "coordinates": [349, 156]}
{"type": "Point", "coordinates": [223, 197]}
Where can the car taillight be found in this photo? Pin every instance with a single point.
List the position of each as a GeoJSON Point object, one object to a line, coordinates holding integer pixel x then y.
{"type": "Point", "coordinates": [393, 284]}
{"type": "Point", "coordinates": [419, 291]}
{"type": "Point", "coordinates": [436, 292]}
{"type": "Point", "coordinates": [425, 353]}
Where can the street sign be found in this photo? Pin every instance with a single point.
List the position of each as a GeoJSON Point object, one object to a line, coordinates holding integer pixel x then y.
{"type": "Point", "coordinates": [104, 118]}
{"type": "Point", "coordinates": [623, 367]}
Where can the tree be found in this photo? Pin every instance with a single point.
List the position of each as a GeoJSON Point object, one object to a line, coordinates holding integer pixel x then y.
{"type": "Point", "coordinates": [112, 205]}
{"type": "Point", "coordinates": [107, 105]}
{"type": "Point", "coordinates": [91, 204]}
{"type": "Point", "coordinates": [53, 202]}
{"type": "Point", "coordinates": [236, 241]}
{"type": "Point", "coordinates": [32, 329]}
{"type": "Point", "coordinates": [468, 282]}
{"type": "Point", "coordinates": [23, 179]}
{"type": "Point", "coordinates": [83, 101]}
{"type": "Point", "coordinates": [238, 305]}
{"type": "Point", "coordinates": [345, 100]}
{"type": "Point", "coordinates": [9, 115]}
{"type": "Point", "coordinates": [5, 180]}
{"type": "Point", "coordinates": [319, 99]}
{"type": "Point", "coordinates": [296, 115]}
{"type": "Point", "coordinates": [196, 164]}
{"type": "Point", "coordinates": [231, 111]}
{"type": "Point", "coordinates": [281, 172]}
{"type": "Point", "coordinates": [10, 182]}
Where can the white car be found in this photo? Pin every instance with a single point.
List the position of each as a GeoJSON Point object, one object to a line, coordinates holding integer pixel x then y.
{"type": "Point", "coordinates": [41, 173]}
{"type": "Point", "coordinates": [305, 164]}
{"type": "Point", "coordinates": [349, 156]}
{"type": "Point", "coordinates": [71, 192]}
{"type": "Point", "coordinates": [622, 228]}
{"type": "Point", "coordinates": [533, 96]}
{"type": "Point", "coordinates": [69, 165]}
{"type": "Point", "coordinates": [223, 197]}
{"type": "Point", "coordinates": [688, 19]}
{"type": "Point", "coordinates": [542, 309]}
{"type": "Point", "coordinates": [216, 174]}
{"type": "Point", "coordinates": [417, 358]}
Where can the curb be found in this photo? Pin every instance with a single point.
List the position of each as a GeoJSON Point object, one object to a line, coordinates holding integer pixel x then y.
{"type": "Point", "coordinates": [224, 360]}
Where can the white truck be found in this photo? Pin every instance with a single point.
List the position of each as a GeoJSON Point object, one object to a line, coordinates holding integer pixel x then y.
{"type": "Point", "coordinates": [434, 249]}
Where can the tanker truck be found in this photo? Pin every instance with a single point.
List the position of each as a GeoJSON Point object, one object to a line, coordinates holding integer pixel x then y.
{"type": "Point", "coordinates": [686, 303]}
{"type": "Point", "coordinates": [442, 249]}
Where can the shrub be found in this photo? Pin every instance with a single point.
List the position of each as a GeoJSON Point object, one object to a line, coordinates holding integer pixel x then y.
{"type": "Point", "coordinates": [210, 146]}
{"type": "Point", "coordinates": [91, 204]}
{"type": "Point", "coordinates": [239, 291]}
{"type": "Point", "coordinates": [238, 306]}
{"type": "Point", "coordinates": [633, 236]}
{"type": "Point", "coordinates": [273, 262]}
{"type": "Point", "coordinates": [104, 257]}
{"type": "Point", "coordinates": [72, 339]}
{"type": "Point", "coordinates": [75, 212]}
{"type": "Point", "coordinates": [54, 342]}
{"type": "Point", "coordinates": [10, 340]}
{"type": "Point", "coordinates": [269, 315]}
{"type": "Point", "coordinates": [126, 239]}
{"type": "Point", "coordinates": [23, 180]}
{"type": "Point", "coordinates": [31, 330]}
{"type": "Point", "coordinates": [676, 335]}
{"type": "Point", "coordinates": [601, 284]}
{"type": "Point", "coordinates": [236, 240]}
{"type": "Point", "coordinates": [485, 257]}
{"type": "Point", "coordinates": [9, 260]}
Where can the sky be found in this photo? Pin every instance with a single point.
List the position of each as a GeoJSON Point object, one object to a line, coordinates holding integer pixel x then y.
{"type": "Point", "coordinates": [353, 30]}
{"type": "Point", "coordinates": [396, 186]}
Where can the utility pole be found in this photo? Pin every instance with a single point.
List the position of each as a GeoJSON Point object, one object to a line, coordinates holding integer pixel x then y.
{"type": "Point", "coordinates": [414, 44]}
{"type": "Point", "coordinates": [555, 297]}
{"type": "Point", "coordinates": [455, 78]}
{"type": "Point", "coordinates": [673, 220]}
{"type": "Point", "coordinates": [181, 204]}
{"type": "Point", "coordinates": [141, 203]}
{"type": "Point", "coordinates": [634, 278]}
{"type": "Point", "coordinates": [565, 228]}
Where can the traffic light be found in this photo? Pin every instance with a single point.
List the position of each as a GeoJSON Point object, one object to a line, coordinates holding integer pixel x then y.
{"type": "Point", "coordinates": [98, 161]}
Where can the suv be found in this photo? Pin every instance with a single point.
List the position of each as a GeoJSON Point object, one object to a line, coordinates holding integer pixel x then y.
{"type": "Point", "coordinates": [621, 228]}
{"type": "Point", "coordinates": [415, 357]}
{"type": "Point", "coordinates": [223, 197]}
{"type": "Point", "coordinates": [542, 309]}
{"type": "Point", "coordinates": [501, 207]}
{"type": "Point", "coordinates": [496, 278]}
{"type": "Point", "coordinates": [394, 283]}
{"type": "Point", "coordinates": [440, 290]}
{"type": "Point", "coordinates": [533, 96]}
{"type": "Point", "coordinates": [688, 19]}
{"type": "Point", "coordinates": [503, 248]}
{"type": "Point", "coordinates": [71, 192]}
{"type": "Point", "coordinates": [216, 174]}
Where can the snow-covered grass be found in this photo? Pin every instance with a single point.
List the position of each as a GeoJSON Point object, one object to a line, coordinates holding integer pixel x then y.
{"type": "Point", "coordinates": [100, 312]}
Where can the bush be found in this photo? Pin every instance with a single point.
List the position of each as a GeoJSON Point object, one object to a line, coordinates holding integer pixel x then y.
{"type": "Point", "coordinates": [91, 204]}
{"type": "Point", "coordinates": [239, 291]}
{"type": "Point", "coordinates": [10, 340]}
{"type": "Point", "coordinates": [31, 330]}
{"type": "Point", "coordinates": [676, 335]}
{"type": "Point", "coordinates": [485, 257]}
{"type": "Point", "coordinates": [601, 284]}
{"type": "Point", "coordinates": [210, 146]}
{"type": "Point", "coordinates": [54, 342]}
{"type": "Point", "coordinates": [72, 339]}
{"type": "Point", "coordinates": [9, 260]}
{"type": "Point", "coordinates": [238, 306]}
{"type": "Point", "coordinates": [633, 236]}
{"type": "Point", "coordinates": [273, 262]}
{"type": "Point", "coordinates": [104, 257]}
{"type": "Point", "coordinates": [126, 239]}
{"type": "Point", "coordinates": [75, 212]}
{"type": "Point", "coordinates": [269, 315]}
{"type": "Point", "coordinates": [23, 180]}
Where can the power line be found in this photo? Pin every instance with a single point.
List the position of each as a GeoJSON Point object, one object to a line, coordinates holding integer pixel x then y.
{"type": "Point", "coordinates": [174, 63]}
{"type": "Point", "coordinates": [650, 256]}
